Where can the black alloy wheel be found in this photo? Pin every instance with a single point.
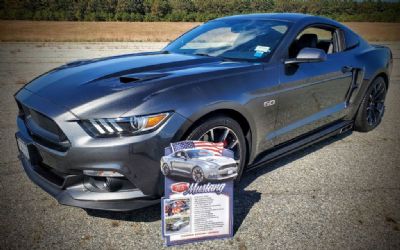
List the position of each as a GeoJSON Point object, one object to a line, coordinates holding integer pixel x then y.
{"type": "Point", "coordinates": [226, 130]}
{"type": "Point", "coordinates": [372, 107]}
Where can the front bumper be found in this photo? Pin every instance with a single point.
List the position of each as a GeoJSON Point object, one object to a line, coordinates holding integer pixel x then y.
{"type": "Point", "coordinates": [64, 196]}
{"type": "Point", "coordinates": [137, 158]}
{"type": "Point", "coordinates": [224, 174]}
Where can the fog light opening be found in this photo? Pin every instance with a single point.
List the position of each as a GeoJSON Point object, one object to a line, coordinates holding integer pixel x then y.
{"type": "Point", "coordinates": [102, 173]}
{"type": "Point", "coordinates": [113, 184]}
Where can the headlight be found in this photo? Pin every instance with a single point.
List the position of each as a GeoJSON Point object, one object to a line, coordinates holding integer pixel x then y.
{"type": "Point", "coordinates": [124, 126]}
{"type": "Point", "coordinates": [213, 165]}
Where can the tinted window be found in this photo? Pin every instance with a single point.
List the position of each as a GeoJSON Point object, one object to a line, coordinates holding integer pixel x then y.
{"type": "Point", "coordinates": [198, 153]}
{"type": "Point", "coordinates": [351, 40]}
{"type": "Point", "coordinates": [314, 37]}
{"type": "Point", "coordinates": [234, 39]}
{"type": "Point", "coordinates": [180, 154]}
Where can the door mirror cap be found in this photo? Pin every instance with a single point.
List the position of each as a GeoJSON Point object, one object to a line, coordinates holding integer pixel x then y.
{"type": "Point", "coordinates": [308, 55]}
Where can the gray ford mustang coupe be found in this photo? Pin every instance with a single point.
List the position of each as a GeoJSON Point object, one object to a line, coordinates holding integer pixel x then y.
{"type": "Point", "coordinates": [198, 165]}
{"type": "Point", "coordinates": [92, 133]}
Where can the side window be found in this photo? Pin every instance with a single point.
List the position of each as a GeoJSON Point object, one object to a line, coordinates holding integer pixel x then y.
{"type": "Point", "coordinates": [351, 40]}
{"type": "Point", "coordinates": [315, 37]}
{"type": "Point", "coordinates": [180, 154]}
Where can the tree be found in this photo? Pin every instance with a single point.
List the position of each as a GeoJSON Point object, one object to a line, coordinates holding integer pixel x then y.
{"type": "Point", "coordinates": [190, 10]}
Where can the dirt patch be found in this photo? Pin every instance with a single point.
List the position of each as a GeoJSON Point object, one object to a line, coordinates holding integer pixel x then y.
{"type": "Point", "coordinates": [48, 31]}
{"type": "Point", "coordinates": [44, 31]}
{"type": "Point", "coordinates": [376, 31]}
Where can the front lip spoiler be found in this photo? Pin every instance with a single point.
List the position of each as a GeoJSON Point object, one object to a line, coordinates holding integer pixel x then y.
{"type": "Point", "coordinates": [221, 178]}
{"type": "Point", "coordinates": [64, 198]}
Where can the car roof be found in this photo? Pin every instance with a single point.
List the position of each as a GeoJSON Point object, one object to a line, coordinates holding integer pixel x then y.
{"type": "Point", "coordinates": [288, 17]}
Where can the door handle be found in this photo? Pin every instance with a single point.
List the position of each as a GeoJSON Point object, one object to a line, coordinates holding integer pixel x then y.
{"type": "Point", "coordinates": [347, 69]}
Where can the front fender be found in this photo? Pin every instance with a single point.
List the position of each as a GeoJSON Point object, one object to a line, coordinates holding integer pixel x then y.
{"type": "Point", "coordinates": [223, 107]}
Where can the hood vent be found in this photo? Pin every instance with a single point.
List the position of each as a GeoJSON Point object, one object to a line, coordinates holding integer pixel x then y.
{"type": "Point", "coordinates": [141, 77]}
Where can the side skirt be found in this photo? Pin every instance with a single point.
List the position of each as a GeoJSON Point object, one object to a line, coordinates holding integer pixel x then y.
{"type": "Point", "coordinates": [301, 142]}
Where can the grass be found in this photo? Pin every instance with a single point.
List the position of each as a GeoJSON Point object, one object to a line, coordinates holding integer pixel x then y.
{"type": "Point", "coordinates": [45, 31]}
{"type": "Point", "coordinates": [48, 31]}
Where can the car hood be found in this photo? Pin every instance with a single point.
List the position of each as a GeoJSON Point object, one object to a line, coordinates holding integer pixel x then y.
{"type": "Point", "coordinates": [220, 160]}
{"type": "Point", "coordinates": [87, 88]}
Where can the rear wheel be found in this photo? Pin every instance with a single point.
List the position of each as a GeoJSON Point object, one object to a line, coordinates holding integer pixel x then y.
{"type": "Point", "coordinates": [226, 130]}
{"type": "Point", "coordinates": [372, 107]}
{"type": "Point", "coordinates": [166, 170]}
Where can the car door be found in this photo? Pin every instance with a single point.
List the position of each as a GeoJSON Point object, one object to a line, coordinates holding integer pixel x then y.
{"type": "Point", "coordinates": [312, 94]}
{"type": "Point", "coordinates": [187, 163]}
{"type": "Point", "coordinates": [179, 162]}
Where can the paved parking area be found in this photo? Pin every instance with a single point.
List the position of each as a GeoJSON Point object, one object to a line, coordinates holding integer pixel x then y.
{"type": "Point", "coordinates": [341, 193]}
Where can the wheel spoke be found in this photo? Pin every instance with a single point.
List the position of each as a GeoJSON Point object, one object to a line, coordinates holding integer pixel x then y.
{"type": "Point", "coordinates": [379, 107]}
{"type": "Point", "coordinates": [373, 116]}
{"type": "Point", "coordinates": [369, 117]}
{"type": "Point", "coordinates": [233, 144]}
{"type": "Point", "coordinates": [212, 135]}
{"type": "Point", "coordinates": [224, 135]}
{"type": "Point", "coordinates": [379, 94]}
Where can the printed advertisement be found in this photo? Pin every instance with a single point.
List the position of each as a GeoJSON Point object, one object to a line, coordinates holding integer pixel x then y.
{"type": "Point", "coordinates": [198, 197]}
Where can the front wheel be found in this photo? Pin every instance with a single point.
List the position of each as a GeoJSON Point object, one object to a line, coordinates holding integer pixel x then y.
{"type": "Point", "coordinates": [197, 175]}
{"type": "Point", "coordinates": [223, 129]}
{"type": "Point", "coordinates": [372, 107]}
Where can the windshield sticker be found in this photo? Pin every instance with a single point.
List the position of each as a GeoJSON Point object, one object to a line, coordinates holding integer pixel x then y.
{"type": "Point", "coordinates": [261, 50]}
{"type": "Point", "coordinates": [259, 54]}
{"type": "Point", "coordinates": [264, 49]}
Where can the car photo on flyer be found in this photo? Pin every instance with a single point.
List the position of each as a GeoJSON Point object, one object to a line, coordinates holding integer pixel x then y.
{"type": "Point", "coordinates": [199, 161]}
{"type": "Point", "coordinates": [177, 216]}
{"type": "Point", "coordinates": [198, 200]}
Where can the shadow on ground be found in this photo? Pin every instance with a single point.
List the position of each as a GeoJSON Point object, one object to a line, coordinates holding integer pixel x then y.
{"type": "Point", "coordinates": [242, 206]}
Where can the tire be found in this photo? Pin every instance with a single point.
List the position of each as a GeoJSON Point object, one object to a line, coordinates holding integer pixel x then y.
{"type": "Point", "coordinates": [198, 175]}
{"type": "Point", "coordinates": [217, 123]}
{"type": "Point", "coordinates": [372, 107]}
{"type": "Point", "coordinates": [166, 170]}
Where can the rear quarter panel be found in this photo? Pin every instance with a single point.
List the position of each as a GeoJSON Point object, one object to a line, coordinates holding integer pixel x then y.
{"type": "Point", "coordinates": [372, 62]}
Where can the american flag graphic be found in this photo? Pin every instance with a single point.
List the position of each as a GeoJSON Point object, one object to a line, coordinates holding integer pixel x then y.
{"type": "Point", "coordinates": [215, 147]}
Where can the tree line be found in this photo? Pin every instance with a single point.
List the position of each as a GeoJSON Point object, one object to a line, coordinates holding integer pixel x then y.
{"type": "Point", "coordinates": [192, 10]}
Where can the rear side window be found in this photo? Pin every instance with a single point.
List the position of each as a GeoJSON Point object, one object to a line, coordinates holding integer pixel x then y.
{"type": "Point", "coordinates": [324, 38]}
{"type": "Point", "coordinates": [351, 40]}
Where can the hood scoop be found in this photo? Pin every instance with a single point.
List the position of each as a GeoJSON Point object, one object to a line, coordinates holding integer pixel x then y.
{"type": "Point", "coordinates": [140, 77]}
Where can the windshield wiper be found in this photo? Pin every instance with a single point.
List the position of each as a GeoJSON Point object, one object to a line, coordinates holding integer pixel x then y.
{"type": "Point", "coordinates": [202, 54]}
{"type": "Point", "coordinates": [235, 59]}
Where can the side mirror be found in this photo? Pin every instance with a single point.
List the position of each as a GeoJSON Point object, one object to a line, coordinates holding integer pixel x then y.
{"type": "Point", "coordinates": [308, 55]}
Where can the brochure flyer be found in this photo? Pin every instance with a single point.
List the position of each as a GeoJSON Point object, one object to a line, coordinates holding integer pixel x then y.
{"type": "Point", "coordinates": [198, 200]}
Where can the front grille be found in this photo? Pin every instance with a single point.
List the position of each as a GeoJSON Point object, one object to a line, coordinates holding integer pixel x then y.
{"type": "Point", "coordinates": [228, 166]}
{"type": "Point", "coordinates": [43, 129]}
{"type": "Point", "coordinates": [47, 124]}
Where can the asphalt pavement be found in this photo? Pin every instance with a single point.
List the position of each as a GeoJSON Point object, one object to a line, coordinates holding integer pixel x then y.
{"type": "Point", "coordinates": [343, 192]}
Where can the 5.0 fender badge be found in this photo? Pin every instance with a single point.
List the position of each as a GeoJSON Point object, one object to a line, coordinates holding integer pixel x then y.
{"type": "Point", "coordinates": [269, 103]}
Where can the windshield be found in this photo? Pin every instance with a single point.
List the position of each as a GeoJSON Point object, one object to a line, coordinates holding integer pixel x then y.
{"type": "Point", "coordinates": [198, 153]}
{"type": "Point", "coordinates": [234, 39]}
